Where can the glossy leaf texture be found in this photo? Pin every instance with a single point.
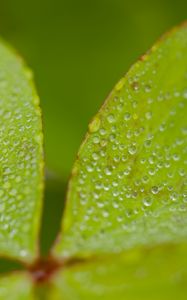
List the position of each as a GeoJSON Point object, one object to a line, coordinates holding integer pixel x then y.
{"type": "Point", "coordinates": [16, 286]}
{"type": "Point", "coordinates": [140, 274]}
{"type": "Point", "coordinates": [21, 158]}
{"type": "Point", "coordinates": [129, 182]}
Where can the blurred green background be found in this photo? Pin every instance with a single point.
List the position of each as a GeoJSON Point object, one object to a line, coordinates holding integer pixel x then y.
{"type": "Point", "coordinates": [78, 50]}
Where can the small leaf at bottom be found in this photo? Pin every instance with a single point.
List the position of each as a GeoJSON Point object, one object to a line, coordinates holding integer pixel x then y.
{"type": "Point", "coordinates": [141, 274]}
{"type": "Point", "coordinates": [16, 286]}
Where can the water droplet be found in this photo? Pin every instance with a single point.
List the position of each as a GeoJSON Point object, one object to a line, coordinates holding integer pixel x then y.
{"type": "Point", "coordinates": [102, 131]}
{"type": "Point", "coordinates": [94, 125]}
{"type": "Point", "coordinates": [135, 86]}
{"type": "Point", "coordinates": [108, 171]}
{"type": "Point", "coordinates": [155, 190]}
{"type": "Point", "coordinates": [119, 85]}
{"type": "Point", "coordinates": [147, 201]}
{"type": "Point", "coordinates": [95, 156]}
{"type": "Point", "coordinates": [132, 149]}
{"type": "Point", "coordinates": [127, 116]}
{"type": "Point", "coordinates": [147, 88]}
{"type": "Point", "coordinates": [173, 196]}
{"type": "Point", "coordinates": [148, 115]}
{"type": "Point", "coordinates": [176, 157]}
{"type": "Point", "coordinates": [105, 214]}
{"type": "Point", "coordinates": [96, 140]}
{"type": "Point", "coordinates": [185, 94]}
{"type": "Point", "coordinates": [89, 168]}
{"type": "Point", "coordinates": [111, 118]}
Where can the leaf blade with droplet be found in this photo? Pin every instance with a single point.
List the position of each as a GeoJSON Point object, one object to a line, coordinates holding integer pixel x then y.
{"type": "Point", "coordinates": [21, 158]}
{"type": "Point", "coordinates": [128, 186]}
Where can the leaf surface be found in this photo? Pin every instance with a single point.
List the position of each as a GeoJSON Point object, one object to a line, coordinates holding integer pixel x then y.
{"type": "Point", "coordinates": [129, 182]}
{"type": "Point", "coordinates": [21, 158]}
{"type": "Point", "coordinates": [141, 274]}
{"type": "Point", "coordinates": [16, 286]}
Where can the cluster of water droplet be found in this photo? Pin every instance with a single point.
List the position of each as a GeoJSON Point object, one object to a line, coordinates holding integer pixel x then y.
{"type": "Point", "coordinates": [20, 155]}
{"type": "Point", "coordinates": [129, 184]}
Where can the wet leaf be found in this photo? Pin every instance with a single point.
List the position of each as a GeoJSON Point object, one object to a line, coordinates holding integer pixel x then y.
{"type": "Point", "coordinates": [21, 160]}
{"type": "Point", "coordinates": [129, 182]}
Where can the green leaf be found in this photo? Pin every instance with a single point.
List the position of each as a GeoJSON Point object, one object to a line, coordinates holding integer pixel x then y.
{"type": "Point", "coordinates": [16, 286]}
{"type": "Point", "coordinates": [129, 183]}
{"type": "Point", "coordinates": [21, 158]}
{"type": "Point", "coordinates": [141, 274]}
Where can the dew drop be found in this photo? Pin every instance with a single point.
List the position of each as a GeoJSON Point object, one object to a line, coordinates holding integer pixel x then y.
{"type": "Point", "coordinates": [127, 116]}
{"type": "Point", "coordinates": [132, 150]}
{"type": "Point", "coordinates": [111, 118]}
{"type": "Point", "coordinates": [147, 201]}
{"type": "Point", "coordinates": [148, 115]}
{"type": "Point", "coordinates": [155, 190]}
{"type": "Point", "coordinates": [135, 86]}
{"type": "Point", "coordinates": [108, 171]}
{"type": "Point", "coordinates": [94, 125]}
